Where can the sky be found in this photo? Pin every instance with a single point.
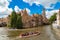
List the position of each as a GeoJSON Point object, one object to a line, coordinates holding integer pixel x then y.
{"type": "Point", "coordinates": [32, 6]}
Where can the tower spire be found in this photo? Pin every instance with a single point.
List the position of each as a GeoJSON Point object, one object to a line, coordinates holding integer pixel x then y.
{"type": "Point", "coordinates": [43, 12]}
{"type": "Point", "coordinates": [25, 11]}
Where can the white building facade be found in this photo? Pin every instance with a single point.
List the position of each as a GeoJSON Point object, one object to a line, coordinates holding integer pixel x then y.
{"type": "Point", "coordinates": [58, 18]}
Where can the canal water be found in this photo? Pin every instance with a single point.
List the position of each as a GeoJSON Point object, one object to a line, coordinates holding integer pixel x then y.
{"type": "Point", "coordinates": [47, 33]}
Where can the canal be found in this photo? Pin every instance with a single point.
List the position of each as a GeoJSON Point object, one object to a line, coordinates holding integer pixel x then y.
{"type": "Point", "coordinates": [47, 33]}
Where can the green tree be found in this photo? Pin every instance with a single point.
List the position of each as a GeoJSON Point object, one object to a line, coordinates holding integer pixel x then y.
{"type": "Point", "coordinates": [19, 21]}
{"type": "Point", "coordinates": [53, 18]}
{"type": "Point", "coordinates": [13, 19]}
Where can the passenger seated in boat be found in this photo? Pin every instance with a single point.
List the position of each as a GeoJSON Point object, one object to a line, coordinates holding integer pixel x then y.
{"type": "Point", "coordinates": [35, 32]}
{"type": "Point", "coordinates": [22, 34]}
{"type": "Point", "coordinates": [25, 34]}
{"type": "Point", "coordinates": [30, 33]}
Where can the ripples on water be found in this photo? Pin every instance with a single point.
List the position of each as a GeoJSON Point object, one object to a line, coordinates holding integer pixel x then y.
{"type": "Point", "coordinates": [46, 34]}
{"type": "Point", "coordinates": [3, 34]}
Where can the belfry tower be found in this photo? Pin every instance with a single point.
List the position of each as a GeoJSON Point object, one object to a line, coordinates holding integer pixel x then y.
{"type": "Point", "coordinates": [58, 18]}
{"type": "Point", "coordinates": [43, 13]}
{"type": "Point", "coordinates": [45, 20]}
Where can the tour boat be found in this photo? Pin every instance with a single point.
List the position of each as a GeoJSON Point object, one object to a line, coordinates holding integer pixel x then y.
{"type": "Point", "coordinates": [28, 34]}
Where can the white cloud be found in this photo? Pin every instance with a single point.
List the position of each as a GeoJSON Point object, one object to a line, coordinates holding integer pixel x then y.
{"type": "Point", "coordinates": [10, 0]}
{"type": "Point", "coordinates": [28, 11]}
{"type": "Point", "coordinates": [17, 9]}
{"type": "Point", "coordinates": [3, 16]}
{"type": "Point", "coordinates": [45, 3]}
{"type": "Point", "coordinates": [9, 10]}
{"type": "Point", "coordinates": [4, 3]}
{"type": "Point", "coordinates": [50, 13]}
{"type": "Point", "coordinates": [4, 10]}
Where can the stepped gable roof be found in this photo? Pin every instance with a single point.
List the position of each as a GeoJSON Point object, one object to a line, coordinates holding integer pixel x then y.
{"type": "Point", "coordinates": [25, 16]}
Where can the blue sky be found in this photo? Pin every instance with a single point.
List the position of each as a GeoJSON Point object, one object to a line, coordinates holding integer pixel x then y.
{"type": "Point", "coordinates": [22, 5]}
{"type": "Point", "coordinates": [32, 6]}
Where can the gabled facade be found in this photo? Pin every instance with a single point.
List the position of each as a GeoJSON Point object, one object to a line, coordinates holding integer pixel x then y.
{"type": "Point", "coordinates": [34, 20]}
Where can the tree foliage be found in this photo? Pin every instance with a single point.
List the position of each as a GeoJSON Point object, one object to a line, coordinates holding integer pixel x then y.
{"type": "Point", "coordinates": [15, 20]}
{"type": "Point", "coordinates": [19, 21]}
{"type": "Point", "coordinates": [53, 18]}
